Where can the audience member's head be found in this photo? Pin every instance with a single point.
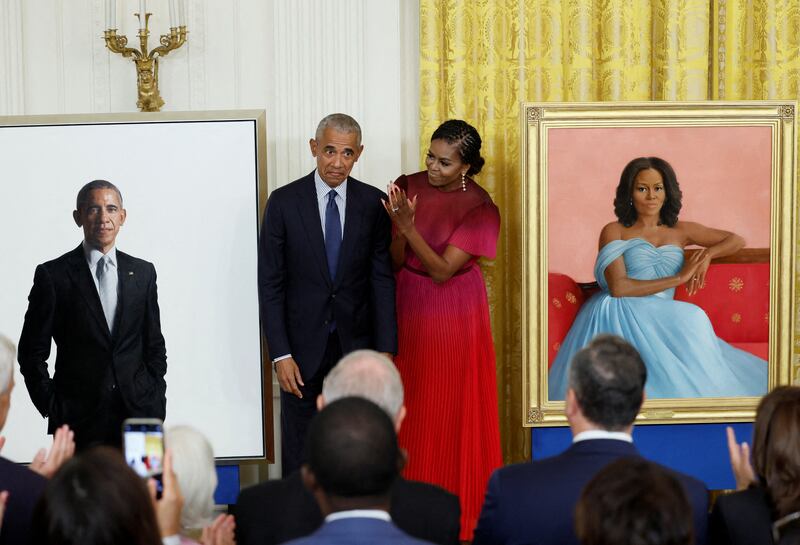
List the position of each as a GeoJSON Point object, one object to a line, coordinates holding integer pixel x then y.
{"type": "Point", "coordinates": [367, 374]}
{"type": "Point", "coordinates": [776, 448]}
{"type": "Point", "coordinates": [606, 385]}
{"type": "Point", "coordinates": [96, 499]}
{"type": "Point", "coordinates": [633, 501]}
{"type": "Point", "coordinates": [8, 355]}
{"type": "Point", "coordinates": [353, 456]}
{"type": "Point", "coordinates": [193, 464]}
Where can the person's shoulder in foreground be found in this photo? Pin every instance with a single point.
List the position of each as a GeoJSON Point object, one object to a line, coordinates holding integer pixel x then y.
{"type": "Point", "coordinates": [358, 531]}
{"type": "Point", "coordinates": [420, 509]}
{"type": "Point", "coordinates": [534, 502]}
{"type": "Point", "coordinates": [24, 488]}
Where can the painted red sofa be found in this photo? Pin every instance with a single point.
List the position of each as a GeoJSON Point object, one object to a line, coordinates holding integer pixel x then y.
{"type": "Point", "coordinates": [735, 297]}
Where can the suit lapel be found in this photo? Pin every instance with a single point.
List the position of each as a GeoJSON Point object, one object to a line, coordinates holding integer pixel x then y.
{"type": "Point", "coordinates": [353, 217]}
{"type": "Point", "coordinates": [82, 279]}
{"type": "Point", "coordinates": [309, 215]}
{"type": "Point", "coordinates": [127, 290]}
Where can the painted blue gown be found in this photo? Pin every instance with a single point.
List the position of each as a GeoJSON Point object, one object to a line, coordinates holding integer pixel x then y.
{"type": "Point", "coordinates": [683, 355]}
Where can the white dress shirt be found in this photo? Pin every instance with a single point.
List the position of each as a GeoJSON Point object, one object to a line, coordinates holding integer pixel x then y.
{"type": "Point", "coordinates": [379, 514]}
{"type": "Point", "coordinates": [602, 434]}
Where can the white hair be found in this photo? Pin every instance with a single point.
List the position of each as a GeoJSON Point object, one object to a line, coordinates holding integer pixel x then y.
{"type": "Point", "coordinates": [8, 355]}
{"type": "Point", "coordinates": [193, 463]}
{"type": "Point", "coordinates": [367, 374]}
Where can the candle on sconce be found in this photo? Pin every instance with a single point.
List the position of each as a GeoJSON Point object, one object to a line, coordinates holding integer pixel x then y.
{"type": "Point", "coordinates": [111, 14]}
{"type": "Point", "coordinates": [142, 12]}
{"type": "Point", "coordinates": [181, 13]}
{"type": "Point", "coordinates": [172, 22]}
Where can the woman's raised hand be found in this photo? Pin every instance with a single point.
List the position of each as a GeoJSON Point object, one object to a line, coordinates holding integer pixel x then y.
{"type": "Point", "coordinates": [399, 207]}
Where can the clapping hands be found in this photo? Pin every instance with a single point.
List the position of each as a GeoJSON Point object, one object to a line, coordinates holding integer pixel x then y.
{"type": "Point", "coordinates": [400, 208]}
{"type": "Point", "coordinates": [740, 461]}
{"type": "Point", "coordinates": [46, 463]}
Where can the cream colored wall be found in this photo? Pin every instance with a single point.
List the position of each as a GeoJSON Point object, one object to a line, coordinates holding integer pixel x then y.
{"type": "Point", "coordinates": [297, 59]}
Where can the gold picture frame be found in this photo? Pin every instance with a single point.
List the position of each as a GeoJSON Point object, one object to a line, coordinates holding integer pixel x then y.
{"type": "Point", "coordinates": [776, 119]}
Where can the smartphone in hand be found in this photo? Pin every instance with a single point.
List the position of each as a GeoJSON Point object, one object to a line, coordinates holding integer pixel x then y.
{"type": "Point", "coordinates": [143, 445]}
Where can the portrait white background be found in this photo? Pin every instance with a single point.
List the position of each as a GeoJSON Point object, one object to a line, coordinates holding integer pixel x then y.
{"type": "Point", "coordinates": [190, 190]}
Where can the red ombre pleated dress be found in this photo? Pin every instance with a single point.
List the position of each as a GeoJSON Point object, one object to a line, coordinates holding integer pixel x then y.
{"type": "Point", "coordinates": [445, 350]}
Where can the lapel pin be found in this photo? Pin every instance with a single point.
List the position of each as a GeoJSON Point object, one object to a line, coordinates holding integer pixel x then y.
{"type": "Point", "coordinates": [130, 273]}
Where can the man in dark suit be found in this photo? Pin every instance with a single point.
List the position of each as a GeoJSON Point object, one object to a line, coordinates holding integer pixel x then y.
{"type": "Point", "coordinates": [353, 459]}
{"type": "Point", "coordinates": [326, 286]}
{"type": "Point", "coordinates": [100, 306]}
{"type": "Point", "coordinates": [535, 502]}
{"type": "Point", "coordinates": [24, 485]}
{"type": "Point", "coordinates": [421, 510]}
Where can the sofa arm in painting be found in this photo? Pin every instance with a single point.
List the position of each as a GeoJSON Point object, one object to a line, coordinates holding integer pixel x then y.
{"type": "Point", "coordinates": [565, 298]}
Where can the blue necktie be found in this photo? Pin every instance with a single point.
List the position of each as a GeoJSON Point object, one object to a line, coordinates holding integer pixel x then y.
{"type": "Point", "coordinates": [333, 233]}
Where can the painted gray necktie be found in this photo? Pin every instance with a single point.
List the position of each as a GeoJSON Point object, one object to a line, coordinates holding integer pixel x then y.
{"type": "Point", "coordinates": [107, 289]}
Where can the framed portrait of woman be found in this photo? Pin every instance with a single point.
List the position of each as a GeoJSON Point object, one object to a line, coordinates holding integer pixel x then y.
{"type": "Point", "coordinates": [672, 225]}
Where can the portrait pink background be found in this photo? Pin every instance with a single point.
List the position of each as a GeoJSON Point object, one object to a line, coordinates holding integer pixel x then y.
{"type": "Point", "coordinates": [724, 174]}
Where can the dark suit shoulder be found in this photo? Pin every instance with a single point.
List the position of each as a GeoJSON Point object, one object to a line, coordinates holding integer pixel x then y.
{"type": "Point", "coordinates": [428, 492]}
{"type": "Point", "coordinates": [369, 190]}
{"type": "Point", "coordinates": [25, 488]}
{"type": "Point", "coordinates": [741, 518]}
{"type": "Point", "coordinates": [256, 504]}
{"type": "Point", "coordinates": [63, 259]}
{"type": "Point", "coordinates": [426, 512]}
{"type": "Point", "coordinates": [12, 473]}
{"type": "Point", "coordinates": [134, 262]}
{"type": "Point", "coordinates": [293, 188]}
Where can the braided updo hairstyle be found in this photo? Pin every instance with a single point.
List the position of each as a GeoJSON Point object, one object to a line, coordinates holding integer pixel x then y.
{"type": "Point", "coordinates": [467, 140]}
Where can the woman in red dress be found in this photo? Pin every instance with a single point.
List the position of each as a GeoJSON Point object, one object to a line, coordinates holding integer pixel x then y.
{"type": "Point", "coordinates": [443, 222]}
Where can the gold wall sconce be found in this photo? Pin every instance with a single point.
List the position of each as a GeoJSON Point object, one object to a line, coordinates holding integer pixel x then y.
{"type": "Point", "coordinates": [146, 62]}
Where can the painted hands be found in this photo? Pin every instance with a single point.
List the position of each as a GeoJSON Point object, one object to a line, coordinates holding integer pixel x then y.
{"type": "Point", "coordinates": [693, 273]}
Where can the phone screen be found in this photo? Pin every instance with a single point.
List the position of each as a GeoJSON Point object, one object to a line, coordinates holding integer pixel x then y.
{"type": "Point", "coordinates": [144, 447]}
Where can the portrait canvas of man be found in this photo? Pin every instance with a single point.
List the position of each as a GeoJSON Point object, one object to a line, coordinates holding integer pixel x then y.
{"type": "Point", "coordinates": [661, 233]}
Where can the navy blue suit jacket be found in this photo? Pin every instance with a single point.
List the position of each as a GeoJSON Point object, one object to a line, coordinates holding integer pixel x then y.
{"type": "Point", "coordinates": [297, 295]}
{"type": "Point", "coordinates": [358, 531]}
{"type": "Point", "coordinates": [64, 306]}
{"type": "Point", "coordinates": [535, 502]}
{"type": "Point", "coordinates": [24, 489]}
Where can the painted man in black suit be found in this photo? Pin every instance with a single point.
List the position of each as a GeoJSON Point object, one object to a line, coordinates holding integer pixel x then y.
{"type": "Point", "coordinates": [326, 286]}
{"type": "Point", "coordinates": [421, 510]}
{"type": "Point", "coordinates": [100, 306]}
{"type": "Point", "coordinates": [535, 502]}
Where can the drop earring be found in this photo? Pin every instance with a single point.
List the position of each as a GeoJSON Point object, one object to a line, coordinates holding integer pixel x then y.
{"type": "Point", "coordinates": [463, 182]}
